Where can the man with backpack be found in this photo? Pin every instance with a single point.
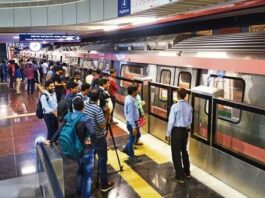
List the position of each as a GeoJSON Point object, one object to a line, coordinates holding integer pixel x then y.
{"type": "Point", "coordinates": [49, 105]}
{"type": "Point", "coordinates": [65, 105]}
{"type": "Point", "coordinates": [75, 141]}
{"type": "Point", "coordinates": [95, 112]}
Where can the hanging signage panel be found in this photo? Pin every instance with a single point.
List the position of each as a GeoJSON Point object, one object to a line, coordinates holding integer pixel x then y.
{"type": "Point", "coordinates": [140, 5]}
{"type": "Point", "coordinates": [124, 7]}
{"type": "Point", "coordinates": [49, 38]}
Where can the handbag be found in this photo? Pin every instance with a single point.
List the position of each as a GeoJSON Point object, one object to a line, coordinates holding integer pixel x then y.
{"type": "Point", "coordinates": [141, 121]}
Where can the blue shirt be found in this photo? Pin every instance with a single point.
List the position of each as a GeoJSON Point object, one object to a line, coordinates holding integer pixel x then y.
{"type": "Point", "coordinates": [130, 111]}
{"type": "Point", "coordinates": [180, 116]}
{"type": "Point", "coordinates": [18, 73]}
{"type": "Point", "coordinates": [49, 105]}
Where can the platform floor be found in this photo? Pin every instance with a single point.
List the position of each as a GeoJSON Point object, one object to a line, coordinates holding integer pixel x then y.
{"type": "Point", "coordinates": [19, 129]}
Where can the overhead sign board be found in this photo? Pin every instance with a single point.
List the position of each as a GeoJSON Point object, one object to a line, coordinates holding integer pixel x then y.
{"type": "Point", "coordinates": [49, 38]}
{"type": "Point", "coordinates": [124, 7]}
{"type": "Point", "coordinates": [140, 5]}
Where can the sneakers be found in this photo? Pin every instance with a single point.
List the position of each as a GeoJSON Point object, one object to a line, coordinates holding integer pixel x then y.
{"type": "Point", "coordinates": [134, 160]}
{"type": "Point", "coordinates": [188, 175]}
{"type": "Point", "coordinates": [179, 180]}
{"type": "Point", "coordinates": [110, 186]}
{"type": "Point", "coordinates": [139, 143]}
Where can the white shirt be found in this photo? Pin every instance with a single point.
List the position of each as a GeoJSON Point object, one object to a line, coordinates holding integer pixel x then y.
{"type": "Point", "coordinates": [67, 71]}
{"type": "Point", "coordinates": [89, 79]}
{"type": "Point", "coordinates": [44, 67]}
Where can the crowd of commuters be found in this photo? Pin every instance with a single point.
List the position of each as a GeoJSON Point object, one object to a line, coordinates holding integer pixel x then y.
{"type": "Point", "coordinates": [95, 98]}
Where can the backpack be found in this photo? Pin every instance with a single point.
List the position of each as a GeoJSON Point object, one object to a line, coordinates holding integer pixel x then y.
{"type": "Point", "coordinates": [64, 106]}
{"type": "Point", "coordinates": [39, 109]}
{"type": "Point", "coordinates": [70, 143]}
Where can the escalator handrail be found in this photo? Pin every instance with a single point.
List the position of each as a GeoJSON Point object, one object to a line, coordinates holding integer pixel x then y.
{"type": "Point", "coordinates": [56, 188]}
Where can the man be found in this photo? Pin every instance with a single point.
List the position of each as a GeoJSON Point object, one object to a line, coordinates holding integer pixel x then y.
{"type": "Point", "coordinates": [59, 84]}
{"type": "Point", "coordinates": [104, 98]}
{"type": "Point", "coordinates": [113, 89]}
{"type": "Point", "coordinates": [89, 76]}
{"type": "Point", "coordinates": [3, 71]}
{"type": "Point", "coordinates": [96, 115]}
{"type": "Point", "coordinates": [44, 67]}
{"type": "Point", "coordinates": [29, 72]}
{"type": "Point", "coordinates": [83, 94]}
{"type": "Point", "coordinates": [85, 132]}
{"type": "Point", "coordinates": [77, 79]}
{"type": "Point", "coordinates": [180, 119]}
{"type": "Point", "coordinates": [49, 105]}
{"type": "Point", "coordinates": [132, 116]}
{"type": "Point", "coordinates": [11, 71]}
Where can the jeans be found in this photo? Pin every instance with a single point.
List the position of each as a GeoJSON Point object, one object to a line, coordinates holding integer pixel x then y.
{"type": "Point", "coordinates": [179, 138]}
{"type": "Point", "coordinates": [51, 123]}
{"type": "Point", "coordinates": [31, 85]}
{"type": "Point", "coordinates": [101, 150]}
{"type": "Point", "coordinates": [138, 136]}
{"type": "Point", "coordinates": [129, 147]}
{"type": "Point", "coordinates": [84, 173]}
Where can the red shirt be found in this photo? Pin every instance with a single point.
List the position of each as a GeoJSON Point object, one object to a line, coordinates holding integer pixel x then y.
{"type": "Point", "coordinates": [113, 88]}
{"type": "Point", "coordinates": [29, 71]}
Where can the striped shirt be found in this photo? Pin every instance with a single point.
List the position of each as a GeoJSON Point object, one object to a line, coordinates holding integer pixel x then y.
{"type": "Point", "coordinates": [96, 115]}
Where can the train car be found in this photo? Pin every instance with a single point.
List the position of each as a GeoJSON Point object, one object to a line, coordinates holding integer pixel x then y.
{"type": "Point", "coordinates": [225, 77]}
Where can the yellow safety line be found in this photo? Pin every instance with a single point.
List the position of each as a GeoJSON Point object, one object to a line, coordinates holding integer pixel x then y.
{"type": "Point", "coordinates": [155, 156]}
{"type": "Point", "coordinates": [139, 185]}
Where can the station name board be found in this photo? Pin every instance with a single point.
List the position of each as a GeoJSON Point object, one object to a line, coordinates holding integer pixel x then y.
{"type": "Point", "coordinates": [49, 38]}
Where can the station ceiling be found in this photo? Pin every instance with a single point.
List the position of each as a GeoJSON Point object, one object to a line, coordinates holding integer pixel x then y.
{"type": "Point", "coordinates": [169, 12]}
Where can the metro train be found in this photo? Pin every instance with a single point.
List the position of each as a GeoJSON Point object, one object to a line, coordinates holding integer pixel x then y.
{"type": "Point", "coordinates": [225, 76]}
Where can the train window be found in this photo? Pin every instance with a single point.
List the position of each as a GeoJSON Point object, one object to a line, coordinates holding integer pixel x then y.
{"type": "Point", "coordinates": [107, 66]}
{"type": "Point", "coordinates": [184, 81]}
{"type": "Point", "coordinates": [165, 78]}
{"type": "Point", "coordinates": [132, 71]}
{"type": "Point", "coordinates": [88, 64]}
{"type": "Point", "coordinates": [100, 65]}
{"type": "Point", "coordinates": [245, 139]}
{"type": "Point", "coordinates": [234, 89]}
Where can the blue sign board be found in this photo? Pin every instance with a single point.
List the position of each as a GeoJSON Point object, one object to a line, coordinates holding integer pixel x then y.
{"type": "Point", "coordinates": [124, 7]}
{"type": "Point", "coordinates": [49, 38]}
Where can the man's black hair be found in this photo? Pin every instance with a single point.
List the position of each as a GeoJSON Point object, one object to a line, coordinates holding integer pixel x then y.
{"type": "Point", "coordinates": [112, 71]}
{"type": "Point", "coordinates": [98, 71]}
{"type": "Point", "coordinates": [48, 82]}
{"type": "Point", "coordinates": [78, 104]}
{"type": "Point", "coordinates": [85, 87]}
{"type": "Point", "coordinates": [182, 93]}
{"type": "Point", "coordinates": [90, 71]}
{"type": "Point", "coordinates": [58, 68]}
{"type": "Point", "coordinates": [72, 84]}
{"type": "Point", "coordinates": [131, 89]}
{"type": "Point", "coordinates": [102, 81]}
{"type": "Point", "coordinates": [76, 73]}
{"type": "Point", "coordinates": [94, 94]}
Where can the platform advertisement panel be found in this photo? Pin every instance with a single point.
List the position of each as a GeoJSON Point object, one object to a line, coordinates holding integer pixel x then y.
{"type": "Point", "coordinates": [124, 7]}
{"type": "Point", "coordinates": [140, 5]}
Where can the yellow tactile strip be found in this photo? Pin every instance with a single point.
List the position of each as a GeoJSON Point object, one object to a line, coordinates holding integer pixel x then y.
{"type": "Point", "coordinates": [140, 186]}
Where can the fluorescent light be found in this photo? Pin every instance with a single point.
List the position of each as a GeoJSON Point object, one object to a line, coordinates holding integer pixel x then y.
{"type": "Point", "coordinates": [93, 52]}
{"type": "Point", "coordinates": [28, 170]}
{"type": "Point", "coordinates": [15, 37]}
{"type": "Point", "coordinates": [111, 28]}
{"type": "Point", "coordinates": [143, 20]}
{"type": "Point", "coordinates": [212, 55]}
